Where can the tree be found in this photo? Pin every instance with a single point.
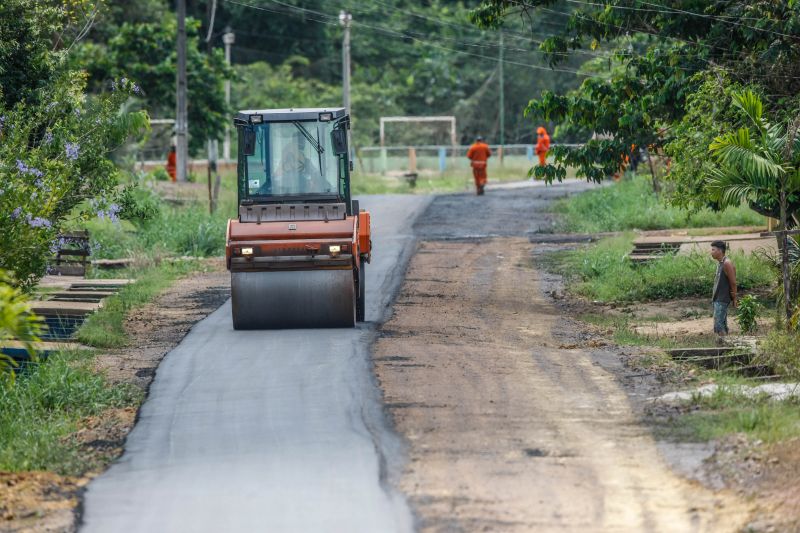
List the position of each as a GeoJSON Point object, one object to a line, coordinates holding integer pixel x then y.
{"type": "Point", "coordinates": [146, 53]}
{"type": "Point", "coordinates": [661, 47]}
{"type": "Point", "coordinates": [759, 162]}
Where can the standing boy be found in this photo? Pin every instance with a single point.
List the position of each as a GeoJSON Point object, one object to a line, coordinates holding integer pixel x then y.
{"type": "Point", "coordinates": [724, 288]}
{"type": "Point", "coordinates": [478, 154]}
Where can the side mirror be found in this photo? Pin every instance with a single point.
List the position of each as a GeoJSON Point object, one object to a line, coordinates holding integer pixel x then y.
{"type": "Point", "coordinates": [339, 141]}
{"type": "Point", "coordinates": [249, 141]}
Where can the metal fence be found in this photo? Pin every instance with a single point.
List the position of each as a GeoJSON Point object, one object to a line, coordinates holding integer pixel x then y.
{"type": "Point", "coordinates": [437, 158]}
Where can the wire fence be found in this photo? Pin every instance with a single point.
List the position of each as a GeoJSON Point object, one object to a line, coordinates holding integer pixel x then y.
{"type": "Point", "coordinates": [432, 159]}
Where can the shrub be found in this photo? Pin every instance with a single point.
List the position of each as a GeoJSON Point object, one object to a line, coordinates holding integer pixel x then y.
{"type": "Point", "coordinates": [749, 308]}
{"type": "Point", "coordinates": [781, 351]}
{"type": "Point", "coordinates": [16, 322]}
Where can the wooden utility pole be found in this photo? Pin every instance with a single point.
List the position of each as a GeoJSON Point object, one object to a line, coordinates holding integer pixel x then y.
{"type": "Point", "coordinates": [181, 111]}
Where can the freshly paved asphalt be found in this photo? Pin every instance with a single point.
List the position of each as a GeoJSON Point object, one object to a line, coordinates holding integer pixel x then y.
{"type": "Point", "coordinates": [273, 431]}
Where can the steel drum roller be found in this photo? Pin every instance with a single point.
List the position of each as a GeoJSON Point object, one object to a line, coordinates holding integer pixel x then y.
{"type": "Point", "coordinates": [293, 299]}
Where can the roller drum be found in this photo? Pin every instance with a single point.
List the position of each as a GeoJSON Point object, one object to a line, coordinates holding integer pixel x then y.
{"type": "Point", "coordinates": [293, 299]}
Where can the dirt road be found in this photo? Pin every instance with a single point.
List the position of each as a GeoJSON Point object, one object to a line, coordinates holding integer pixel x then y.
{"type": "Point", "coordinates": [511, 426]}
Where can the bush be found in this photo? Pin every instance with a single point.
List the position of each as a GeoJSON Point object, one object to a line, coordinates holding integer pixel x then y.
{"type": "Point", "coordinates": [16, 322]}
{"type": "Point", "coordinates": [781, 351]}
{"type": "Point", "coordinates": [53, 156]}
{"type": "Point", "coordinates": [631, 204]}
{"type": "Point", "coordinates": [749, 308]}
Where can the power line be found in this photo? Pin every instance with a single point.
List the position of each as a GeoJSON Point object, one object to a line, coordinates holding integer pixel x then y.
{"type": "Point", "coordinates": [394, 33]}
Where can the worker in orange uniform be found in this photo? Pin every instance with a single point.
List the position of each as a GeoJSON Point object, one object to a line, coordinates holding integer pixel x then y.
{"type": "Point", "coordinates": [478, 154]}
{"type": "Point", "coordinates": [542, 145]}
{"type": "Point", "coordinates": [172, 163]}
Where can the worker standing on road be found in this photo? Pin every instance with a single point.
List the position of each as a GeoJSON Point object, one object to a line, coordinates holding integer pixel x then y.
{"type": "Point", "coordinates": [542, 145]}
{"type": "Point", "coordinates": [724, 293]}
{"type": "Point", "coordinates": [478, 154]}
{"type": "Point", "coordinates": [172, 163]}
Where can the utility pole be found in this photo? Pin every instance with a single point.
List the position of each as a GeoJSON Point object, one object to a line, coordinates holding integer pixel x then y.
{"type": "Point", "coordinates": [181, 112]}
{"type": "Point", "coordinates": [502, 98]}
{"type": "Point", "coordinates": [345, 19]}
{"type": "Point", "coordinates": [228, 38]}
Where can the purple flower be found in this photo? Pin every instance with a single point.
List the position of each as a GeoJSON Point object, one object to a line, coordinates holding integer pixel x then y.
{"type": "Point", "coordinates": [101, 215]}
{"type": "Point", "coordinates": [136, 89]}
{"type": "Point", "coordinates": [22, 167]}
{"type": "Point", "coordinates": [38, 222]}
{"type": "Point", "coordinates": [114, 85]}
{"type": "Point", "coordinates": [25, 169]}
{"type": "Point", "coordinates": [123, 81]}
{"type": "Point", "coordinates": [48, 137]}
{"type": "Point", "coordinates": [16, 213]}
{"type": "Point", "coordinates": [72, 150]}
{"type": "Point", "coordinates": [2, 122]}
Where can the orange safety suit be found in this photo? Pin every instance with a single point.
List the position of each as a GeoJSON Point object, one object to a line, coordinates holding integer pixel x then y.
{"type": "Point", "coordinates": [172, 165]}
{"type": "Point", "coordinates": [478, 154]}
{"type": "Point", "coordinates": [542, 145]}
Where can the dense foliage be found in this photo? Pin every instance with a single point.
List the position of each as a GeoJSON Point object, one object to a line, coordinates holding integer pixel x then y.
{"type": "Point", "coordinates": [660, 55]}
{"type": "Point", "coordinates": [55, 139]}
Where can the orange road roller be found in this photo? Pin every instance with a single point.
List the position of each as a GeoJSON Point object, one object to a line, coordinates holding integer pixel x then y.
{"type": "Point", "coordinates": [297, 251]}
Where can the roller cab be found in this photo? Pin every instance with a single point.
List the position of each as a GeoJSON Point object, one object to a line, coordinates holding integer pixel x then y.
{"type": "Point", "coordinates": [298, 249]}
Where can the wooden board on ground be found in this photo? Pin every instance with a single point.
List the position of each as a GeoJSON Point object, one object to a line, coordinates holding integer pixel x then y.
{"type": "Point", "coordinates": [56, 308]}
{"type": "Point", "coordinates": [80, 296]}
{"type": "Point", "coordinates": [44, 346]}
{"type": "Point", "coordinates": [99, 284]}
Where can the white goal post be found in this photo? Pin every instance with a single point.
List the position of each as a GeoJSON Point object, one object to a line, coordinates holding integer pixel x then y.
{"type": "Point", "coordinates": [409, 119]}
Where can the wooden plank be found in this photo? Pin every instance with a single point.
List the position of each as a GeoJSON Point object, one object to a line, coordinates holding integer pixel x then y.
{"type": "Point", "coordinates": [45, 346]}
{"type": "Point", "coordinates": [56, 308]}
{"type": "Point", "coordinates": [100, 284]}
{"type": "Point", "coordinates": [68, 270]}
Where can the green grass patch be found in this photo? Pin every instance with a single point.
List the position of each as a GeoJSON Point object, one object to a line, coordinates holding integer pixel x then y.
{"type": "Point", "coordinates": [104, 328]}
{"type": "Point", "coordinates": [728, 411]}
{"type": "Point", "coordinates": [42, 409]}
{"type": "Point", "coordinates": [631, 204]}
{"type": "Point", "coordinates": [604, 273]}
{"type": "Point", "coordinates": [780, 350]}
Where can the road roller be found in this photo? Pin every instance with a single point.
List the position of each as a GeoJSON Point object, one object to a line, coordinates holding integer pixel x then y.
{"type": "Point", "coordinates": [298, 249]}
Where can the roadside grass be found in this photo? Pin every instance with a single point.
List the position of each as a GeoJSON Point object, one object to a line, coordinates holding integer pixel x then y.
{"type": "Point", "coordinates": [104, 329]}
{"type": "Point", "coordinates": [780, 350]}
{"type": "Point", "coordinates": [631, 204]}
{"type": "Point", "coordinates": [42, 409]}
{"type": "Point", "coordinates": [729, 411]}
{"type": "Point", "coordinates": [603, 272]}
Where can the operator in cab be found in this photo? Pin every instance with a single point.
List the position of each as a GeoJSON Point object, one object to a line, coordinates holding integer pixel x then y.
{"type": "Point", "coordinates": [297, 171]}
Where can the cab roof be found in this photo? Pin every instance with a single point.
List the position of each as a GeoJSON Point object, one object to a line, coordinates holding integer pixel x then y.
{"type": "Point", "coordinates": [282, 115]}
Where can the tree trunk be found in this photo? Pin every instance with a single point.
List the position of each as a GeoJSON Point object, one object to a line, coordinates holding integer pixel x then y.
{"type": "Point", "coordinates": [787, 296]}
{"type": "Point", "coordinates": [656, 184]}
